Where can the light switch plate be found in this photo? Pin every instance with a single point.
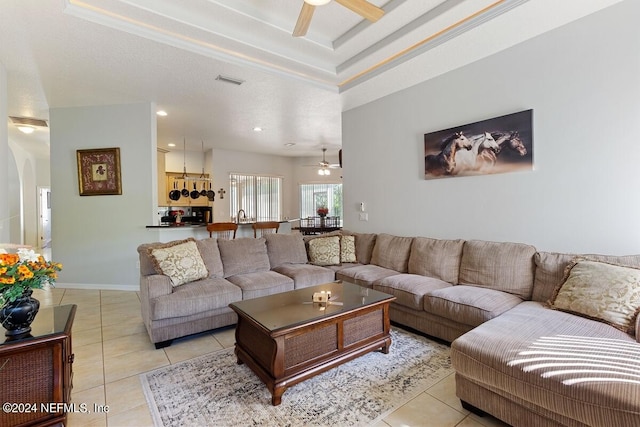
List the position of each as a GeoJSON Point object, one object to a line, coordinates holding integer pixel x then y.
{"type": "Point", "coordinates": [364, 216]}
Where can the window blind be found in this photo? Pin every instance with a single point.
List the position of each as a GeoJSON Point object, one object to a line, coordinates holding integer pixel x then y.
{"type": "Point", "coordinates": [259, 196]}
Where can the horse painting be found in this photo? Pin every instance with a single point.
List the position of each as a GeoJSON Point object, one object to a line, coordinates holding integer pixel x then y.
{"type": "Point", "coordinates": [466, 160]}
{"type": "Point", "coordinates": [509, 140]}
{"type": "Point", "coordinates": [444, 162]}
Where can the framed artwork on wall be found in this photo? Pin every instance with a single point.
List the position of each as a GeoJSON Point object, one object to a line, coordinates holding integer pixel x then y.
{"type": "Point", "coordinates": [497, 145]}
{"type": "Point", "coordinates": [99, 172]}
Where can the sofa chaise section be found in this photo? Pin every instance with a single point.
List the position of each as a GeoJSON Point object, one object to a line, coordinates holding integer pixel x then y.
{"type": "Point", "coordinates": [537, 366]}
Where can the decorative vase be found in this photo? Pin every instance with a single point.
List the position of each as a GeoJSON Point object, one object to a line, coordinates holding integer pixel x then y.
{"type": "Point", "coordinates": [16, 316]}
{"type": "Point", "coordinates": [322, 221]}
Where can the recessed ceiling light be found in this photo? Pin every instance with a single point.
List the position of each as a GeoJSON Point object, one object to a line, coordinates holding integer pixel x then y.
{"type": "Point", "coordinates": [171, 144]}
{"type": "Point", "coordinates": [257, 129]}
{"type": "Point", "coordinates": [289, 144]}
{"type": "Point", "coordinates": [161, 113]}
{"type": "Point", "coordinates": [26, 129]}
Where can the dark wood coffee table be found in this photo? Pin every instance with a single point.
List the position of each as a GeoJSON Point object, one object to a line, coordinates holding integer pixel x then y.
{"type": "Point", "coordinates": [285, 338]}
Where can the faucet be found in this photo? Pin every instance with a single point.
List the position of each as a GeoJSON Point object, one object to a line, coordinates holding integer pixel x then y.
{"type": "Point", "coordinates": [244, 215]}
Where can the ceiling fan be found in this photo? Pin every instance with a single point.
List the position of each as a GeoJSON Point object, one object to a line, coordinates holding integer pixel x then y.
{"type": "Point", "coordinates": [324, 166]}
{"type": "Point", "coordinates": [363, 8]}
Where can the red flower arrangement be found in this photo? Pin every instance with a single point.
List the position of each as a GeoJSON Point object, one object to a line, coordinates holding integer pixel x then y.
{"type": "Point", "coordinates": [323, 211]}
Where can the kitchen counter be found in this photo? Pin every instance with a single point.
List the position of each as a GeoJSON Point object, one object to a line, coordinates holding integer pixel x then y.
{"type": "Point", "coordinates": [177, 226]}
{"type": "Point", "coordinates": [169, 232]}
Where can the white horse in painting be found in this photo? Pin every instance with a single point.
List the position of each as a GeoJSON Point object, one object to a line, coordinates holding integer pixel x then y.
{"type": "Point", "coordinates": [467, 159]}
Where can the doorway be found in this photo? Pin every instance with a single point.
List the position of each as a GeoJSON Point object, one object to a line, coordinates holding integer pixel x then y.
{"type": "Point", "coordinates": [44, 217]}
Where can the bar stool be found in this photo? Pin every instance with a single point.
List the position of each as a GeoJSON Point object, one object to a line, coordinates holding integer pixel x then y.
{"type": "Point", "coordinates": [265, 227]}
{"type": "Point", "coordinates": [223, 230]}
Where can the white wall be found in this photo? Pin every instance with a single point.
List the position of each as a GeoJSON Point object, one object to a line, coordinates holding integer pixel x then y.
{"type": "Point", "coordinates": [4, 160]}
{"type": "Point", "coordinates": [583, 83]}
{"type": "Point", "coordinates": [95, 237]}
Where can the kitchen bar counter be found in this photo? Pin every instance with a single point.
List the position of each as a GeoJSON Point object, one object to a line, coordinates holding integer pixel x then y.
{"type": "Point", "coordinates": [169, 232]}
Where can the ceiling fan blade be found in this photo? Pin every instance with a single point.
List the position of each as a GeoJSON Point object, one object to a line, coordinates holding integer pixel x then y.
{"type": "Point", "coordinates": [363, 8]}
{"type": "Point", "coordinates": [304, 19]}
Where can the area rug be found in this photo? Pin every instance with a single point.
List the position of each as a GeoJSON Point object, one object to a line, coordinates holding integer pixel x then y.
{"type": "Point", "coordinates": [213, 390]}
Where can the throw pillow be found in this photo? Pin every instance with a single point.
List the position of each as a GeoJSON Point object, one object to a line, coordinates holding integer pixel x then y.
{"type": "Point", "coordinates": [601, 291]}
{"type": "Point", "coordinates": [325, 251]}
{"type": "Point", "coordinates": [181, 261]}
{"type": "Point", "coordinates": [347, 249]}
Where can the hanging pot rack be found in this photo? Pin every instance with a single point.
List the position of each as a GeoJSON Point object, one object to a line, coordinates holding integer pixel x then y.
{"type": "Point", "coordinates": [185, 176]}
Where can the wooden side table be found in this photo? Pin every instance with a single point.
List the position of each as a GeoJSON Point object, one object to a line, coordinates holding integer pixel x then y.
{"type": "Point", "coordinates": [36, 371]}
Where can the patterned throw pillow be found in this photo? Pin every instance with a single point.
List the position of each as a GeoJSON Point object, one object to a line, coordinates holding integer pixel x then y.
{"type": "Point", "coordinates": [601, 291]}
{"type": "Point", "coordinates": [181, 261]}
{"type": "Point", "coordinates": [347, 249]}
{"type": "Point", "coordinates": [324, 251]}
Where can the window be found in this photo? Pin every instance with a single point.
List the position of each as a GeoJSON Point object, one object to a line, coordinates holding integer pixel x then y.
{"type": "Point", "coordinates": [259, 196]}
{"type": "Point", "coordinates": [313, 196]}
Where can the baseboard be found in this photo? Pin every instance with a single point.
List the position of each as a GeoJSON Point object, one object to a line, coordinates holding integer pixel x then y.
{"type": "Point", "coordinates": [98, 286]}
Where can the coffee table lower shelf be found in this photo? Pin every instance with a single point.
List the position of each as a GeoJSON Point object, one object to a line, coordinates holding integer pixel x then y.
{"type": "Point", "coordinates": [290, 355]}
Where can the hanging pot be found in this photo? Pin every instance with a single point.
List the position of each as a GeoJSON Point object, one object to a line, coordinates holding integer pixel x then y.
{"type": "Point", "coordinates": [175, 193]}
{"type": "Point", "coordinates": [211, 195]}
{"type": "Point", "coordinates": [203, 192]}
{"type": "Point", "coordinates": [195, 193]}
{"type": "Point", "coordinates": [16, 316]}
{"type": "Point", "coordinates": [185, 192]}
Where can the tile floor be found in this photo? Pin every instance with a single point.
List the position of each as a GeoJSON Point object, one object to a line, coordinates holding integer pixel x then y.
{"type": "Point", "coordinates": [112, 348]}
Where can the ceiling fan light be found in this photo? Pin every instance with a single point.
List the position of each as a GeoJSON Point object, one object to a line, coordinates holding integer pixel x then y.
{"type": "Point", "coordinates": [317, 2]}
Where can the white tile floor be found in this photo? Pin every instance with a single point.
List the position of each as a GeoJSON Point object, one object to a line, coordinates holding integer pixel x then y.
{"type": "Point", "coordinates": [112, 348]}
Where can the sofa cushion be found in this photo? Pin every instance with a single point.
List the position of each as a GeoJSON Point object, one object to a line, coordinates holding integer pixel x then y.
{"type": "Point", "coordinates": [436, 258]}
{"type": "Point", "coordinates": [409, 289]}
{"type": "Point", "coordinates": [554, 361]}
{"type": "Point", "coordinates": [365, 243]}
{"type": "Point", "coordinates": [324, 250]}
{"type": "Point", "coordinates": [392, 252]}
{"type": "Point", "coordinates": [195, 297]}
{"type": "Point", "coordinates": [180, 260]}
{"type": "Point", "coordinates": [262, 283]}
{"type": "Point", "coordinates": [347, 249]}
{"type": "Point", "coordinates": [147, 265]}
{"type": "Point", "coordinates": [285, 249]}
{"type": "Point", "coordinates": [211, 256]}
{"type": "Point", "coordinates": [241, 256]}
{"type": "Point", "coordinates": [469, 305]}
{"type": "Point", "coordinates": [305, 275]}
{"type": "Point", "coordinates": [550, 268]}
{"type": "Point", "coordinates": [364, 275]}
{"type": "Point", "coordinates": [601, 291]}
{"type": "Point", "coordinates": [507, 267]}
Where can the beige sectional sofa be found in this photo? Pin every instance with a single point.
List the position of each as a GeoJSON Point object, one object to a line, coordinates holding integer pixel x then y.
{"type": "Point", "coordinates": [515, 358]}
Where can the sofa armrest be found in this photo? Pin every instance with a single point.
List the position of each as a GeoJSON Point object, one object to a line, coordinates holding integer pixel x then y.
{"type": "Point", "coordinates": [155, 285]}
{"type": "Point", "coordinates": [638, 328]}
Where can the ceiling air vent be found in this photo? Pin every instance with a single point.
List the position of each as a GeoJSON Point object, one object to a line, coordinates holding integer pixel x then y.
{"type": "Point", "coordinates": [231, 80]}
{"type": "Point", "coordinates": [27, 121]}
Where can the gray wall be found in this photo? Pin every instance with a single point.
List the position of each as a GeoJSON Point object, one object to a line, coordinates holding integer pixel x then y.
{"type": "Point", "coordinates": [583, 83]}
{"type": "Point", "coordinates": [95, 237]}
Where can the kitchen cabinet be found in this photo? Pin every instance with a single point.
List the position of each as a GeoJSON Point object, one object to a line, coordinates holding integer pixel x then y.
{"type": "Point", "coordinates": [179, 181]}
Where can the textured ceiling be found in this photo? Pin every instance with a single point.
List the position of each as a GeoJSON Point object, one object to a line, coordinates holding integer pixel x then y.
{"type": "Point", "coordinates": [97, 52]}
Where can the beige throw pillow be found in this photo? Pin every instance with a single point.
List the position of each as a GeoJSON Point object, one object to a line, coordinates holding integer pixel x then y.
{"type": "Point", "coordinates": [325, 251]}
{"type": "Point", "coordinates": [347, 249]}
{"type": "Point", "coordinates": [601, 291]}
{"type": "Point", "coordinates": [181, 261]}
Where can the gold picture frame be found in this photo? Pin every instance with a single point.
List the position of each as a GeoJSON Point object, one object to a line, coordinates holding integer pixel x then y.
{"type": "Point", "coordinates": [99, 172]}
